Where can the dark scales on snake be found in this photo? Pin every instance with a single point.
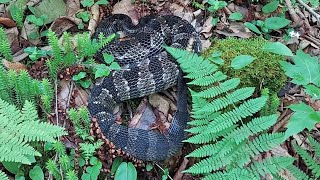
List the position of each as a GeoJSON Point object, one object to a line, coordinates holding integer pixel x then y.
{"type": "Point", "coordinates": [146, 68]}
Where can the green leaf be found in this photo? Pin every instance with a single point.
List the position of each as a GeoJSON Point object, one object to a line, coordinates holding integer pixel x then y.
{"type": "Point", "coordinates": [165, 174]}
{"type": "Point", "coordinates": [276, 23]}
{"type": "Point", "coordinates": [114, 66]}
{"type": "Point", "coordinates": [313, 91]}
{"type": "Point", "coordinates": [79, 76]}
{"type": "Point", "coordinates": [270, 7]}
{"type": "Point", "coordinates": [85, 83]}
{"type": "Point", "coordinates": [149, 167]}
{"type": "Point", "coordinates": [37, 21]}
{"type": "Point", "coordinates": [126, 171]}
{"type": "Point", "coordinates": [241, 61]}
{"type": "Point", "coordinates": [85, 16]}
{"type": "Point", "coordinates": [214, 21]}
{"type": "Point", "coordinates": [277, 48]}
{"type": "Point", "coordinates": [108, 58]}
{"type": "Point", "coordinates": [85, 176]}
{"type": "Point", "coordinates": [305, 69]}
{"type": "Point", "coordinates": [87, 3]}
{"type": "Point", "coordinates": [102, 2]}
{"type": "Point", "coordinates": [48, 146]}
{"type": "Point", "coordinates": [101, 71]}
{"type": "Point", "coordinates": [36, 173]}
{"type": "Point", "coordinates": [236, 16]}
{"type": "Point", "coordinates": [116, 163]}
{"type": "Point", "coordinates": [303, 117]}
{"type": "Point", "coordinates": [12, 167]}
{"type": "Point", "coordinates": [19, 177]}
{"type": "Point", "coordinates": [252, 27]}
{"type": "Point", "coordinates": [94, 160]}
{"type": "Point", "coordinates": [4, 1]}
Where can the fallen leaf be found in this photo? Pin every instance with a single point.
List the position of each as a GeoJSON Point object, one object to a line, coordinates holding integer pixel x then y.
{"type": "Point", "coordinates": [7, 22]}
{"type": "Point", "coordinates": [14, 65]}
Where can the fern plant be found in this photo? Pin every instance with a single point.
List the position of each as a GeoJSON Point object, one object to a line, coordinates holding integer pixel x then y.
{"type": "Point", "coordinates": [16, 88]}
{"type": "Point", "coordinates": [20, 127]}
{"type": "Point", "coordinates": [311, 162]}
{"type": "Point", "coordinates": [17, 11]}
{"type": "Point", "coordinates": [224, 126]}
{"type": "Point", "coordinates": [64, 55]}
{"type": "Point", "coordinates": [5, 49]}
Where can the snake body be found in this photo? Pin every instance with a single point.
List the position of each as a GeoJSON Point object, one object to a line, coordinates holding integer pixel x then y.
{"type": "Point", "coordinates": [146, 68]}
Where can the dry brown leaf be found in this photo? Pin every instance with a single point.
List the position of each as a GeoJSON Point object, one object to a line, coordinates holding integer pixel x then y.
{"type": "Point", "coordinates": [73, 7]}
{"type": "Point", "coordinates": [14, 65]}
{"type": "Point", "coordinates": [95, 15]}
{"type": "Point", "coordinates": [12, 35]}
{"type": "Point", "coordinates": [7, 22]}
{"type": "Point", "coordinates": [207, 26]}
{"type": "Point", "coordinates": [126, 7]}
{"type": "Point", "coordinates": [160, 103]}
{"type": "Point", "coordinates": [28, 30]}
{"type": "Point", "coordinates": [82, 97]}
{"type": "Point", "coordinates": [64, 23]}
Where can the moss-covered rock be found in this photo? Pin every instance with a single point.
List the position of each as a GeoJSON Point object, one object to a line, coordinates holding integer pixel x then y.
{"type": "Point", "coordinates": [264, 72]}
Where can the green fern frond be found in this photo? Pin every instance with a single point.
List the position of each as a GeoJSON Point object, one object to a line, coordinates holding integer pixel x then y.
{"type": "Point", "coordinates": [205, 138]}
{"type": "Point", "coordinates": [271, 165]}
{"type": "Point", "coordinates": [315, 145]}
{"type": "Point", "coordinates": [265, 142]}
{"type": "Point", "coordinates": [297, 173]}
{"type": "Point", "coordinates": [221, 88]}
{"type": "Point", "coordinates": [5, 49]}
{"type": "Point", "coordinates": [21, 127]}
{"type": "Point", "coordinates": [233, 174]}
{"type": "Point", "coordinates": [89, 149]}
{"type": "Point", "coordinates": [229, 99]}
{"type": "Point", "coordinates": [246, 109]}
{"type": "Point", "coordinates": [3, 176]}
{"type": "Point", "coordinates": [207, 165]}
{"type": "Point", "coordinates": [218, 109]}
{"type": "Point", "coordinates": [103, 41]}
{"type": "Point", "coordinates": [210, 79]}
{"type": "Point", "coordinates": [312, 165]}
{"type": "Point", "coordinates": [256, 125]}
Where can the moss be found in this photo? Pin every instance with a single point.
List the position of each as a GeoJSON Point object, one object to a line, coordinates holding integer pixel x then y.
{"type": "Point", "coordinates": [264, 72]}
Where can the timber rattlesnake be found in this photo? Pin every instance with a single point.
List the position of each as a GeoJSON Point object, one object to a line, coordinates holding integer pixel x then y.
{"type": "Point", "coordinates": [146, 69]}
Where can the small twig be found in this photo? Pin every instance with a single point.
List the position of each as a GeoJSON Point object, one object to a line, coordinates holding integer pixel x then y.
{"type": "Point", "coordinates": [56, 101]}
{"type": "Point", "coordinates": [296, 19]}
{"type": "Point", "coordinates": [316, 15]}
{"type": "Point", "coordinates": [163, 171]}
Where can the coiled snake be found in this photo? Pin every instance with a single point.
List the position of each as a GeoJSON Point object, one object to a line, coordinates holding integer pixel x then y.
{"type": "Point", "coordinates": [146, 68]}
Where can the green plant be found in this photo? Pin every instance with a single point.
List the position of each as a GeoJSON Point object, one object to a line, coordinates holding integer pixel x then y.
{"type": "Point", "coordinates": [269, 24]}
{"type": "Point", "coordinates": [126, 171]}
{"type": "Point", "coordinates": [16, 88]}
{"type": "Point", "coordinates": [272, 103]}
{"type": "Point", "coordinates": [215, 5]}
{"type": "Point", "coordinates": [264, 72]}
{"type": "Point", "coordinates": [310, 161]}
{"type": "Point", "coordinates": [81, 79]}
{"type": "Point", "coordinates": [81, 121]}
{"type": "Point", "coordinates": [5, 49]}
{"type": "Point", "coordinates": [21, 127]}
{"type": "Point", "coordinates": [17, 11]}
{"type": "Point", "coordinates": [38, 21]}
{"type": "Point", "coordinates": [305, 116]}
{"type": "Point", "coordinates": [64, 55]}
{"type": "Point", "coordinates": [224, 124]}
{"type": "Point", "coordinates": [35, 53]}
